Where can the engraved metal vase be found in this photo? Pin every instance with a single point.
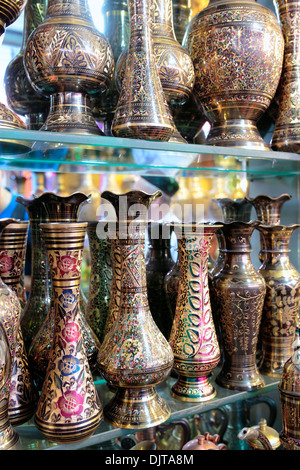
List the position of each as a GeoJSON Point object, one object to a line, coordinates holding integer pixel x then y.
{"type": "Point", "coordinates": [134, 356]}
{"type": "Point", "coordinates": [193, 337]}
{"type": "Point", "coordinates": [142, 111]}
{"type": "Point", "coordinates": [69, 409]}
{"type": "Point", "coordinates": [8, 436]}
{"type": "Point", "coordinates": [282, 302]}
{"type": "Point", "coordinates": [237, 49]}
{"type": "Point", "coordinates": [66, 58]}
{"type": "Point", "coordinates": [238, 290]}
{"type": "Point", "coordinates": [23, 395]}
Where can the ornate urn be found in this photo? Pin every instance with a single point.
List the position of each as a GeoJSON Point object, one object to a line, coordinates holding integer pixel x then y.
{"type": "Point", "coordinates": [237, 50]}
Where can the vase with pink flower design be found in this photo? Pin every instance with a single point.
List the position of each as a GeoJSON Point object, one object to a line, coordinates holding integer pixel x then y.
{"type": "Point", "coordinates": [69, 409]}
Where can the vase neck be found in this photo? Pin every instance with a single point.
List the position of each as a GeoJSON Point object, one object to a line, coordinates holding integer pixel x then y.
{"type": "Point", "coordinates": [34, 14]}
{"type": "Point", "coordinates": [268, 208]}
{"type": "Point", "coordinates": [66, 8]}
{"type": "Point", "coordinates": [237, 236]}
{"type": "Point", "coordinates": [163, 19]}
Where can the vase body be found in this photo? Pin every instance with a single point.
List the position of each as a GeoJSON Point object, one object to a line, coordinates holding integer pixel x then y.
{"type": "Point", "coordinates": [134, 356]}
{"type": "Point", "coordinates": [23, 394]}
{"type": "Point", "coordinates": [21, 97]}
{"type": "Point", "coordinates": [100, 281]}
{"type": "Point", "coordinates": [237, 50]}
{"type": "Point", "coordinates": [238, 291]}
{"type": "Point", "coordinates": [286, 133]}
{"type": "Point", "coordinates": [158, 263]}
{"type": "Point", "coordinates": [69, 409]}
{"type": "Point", "coordinates": [193, 337]}
{"type": "Point", "coordinates": [142, 111]}
{"type": "Point", "coordinates": [282, 302]}
{"type": "Point", "coordinates": [67, 59]}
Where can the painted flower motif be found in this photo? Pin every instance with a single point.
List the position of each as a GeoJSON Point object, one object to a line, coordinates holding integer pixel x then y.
{"type": "Point", "coordinates": [71, 403]}
{"type": "Point", "coordinates": [68, 365]}
{"type": "Point", "coordinates": [71, 332]}
{"type": "Point", "coordinates": [66, 264]}
{"type": "Point", "coordinates": [67, 298]}
{"type": "Point", "coordinates": [6, 263]}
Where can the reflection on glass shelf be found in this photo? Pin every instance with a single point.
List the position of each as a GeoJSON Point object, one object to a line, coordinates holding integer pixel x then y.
{"type": "Point", "coordinates": [32, 439]}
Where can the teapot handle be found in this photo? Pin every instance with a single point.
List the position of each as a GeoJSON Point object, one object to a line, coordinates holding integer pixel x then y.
{"type": "Point", "coordinates": [249, 402]}
{"type": "Point", "coordinates": [184, 424]}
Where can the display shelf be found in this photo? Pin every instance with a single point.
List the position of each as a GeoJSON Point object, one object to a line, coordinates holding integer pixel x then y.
{"type": "Point", "coordinates": [64, 152]}
{"type": "Point", "coordinates": [32, 439]}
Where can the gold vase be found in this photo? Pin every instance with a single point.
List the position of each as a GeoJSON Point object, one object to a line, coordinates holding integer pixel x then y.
{"type": "Point", "coordinates": [67, 59]}
{"type": "Point", "coordinates": [134, 356]}
{"type": "Point", "coordinates": [142, 111]}
{"type": "Point", "coordinates": [193, 337]}
{"type": "Point", "coordinates": [69, 409]}
{"type": "Point", "coordinates": [237, 50]}
{"type": "Point", "coordinates": [23, 394]}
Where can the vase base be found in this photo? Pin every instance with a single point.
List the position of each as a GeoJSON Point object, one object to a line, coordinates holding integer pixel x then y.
{"type": "Point", "coordinates": [21, 415]}
{"type": "Point", "coordinates": [240, 380]}
{"type": "Point", "coordinates": [136, 408]}
{"type": "Point", "coordinates": [236, 133]}
{"type": "Point", "coordinates": [288, 442]}
{"type": "Point", "coordinates": [11, 439]}
{"type": "Point", "coordinates": [193, 389]}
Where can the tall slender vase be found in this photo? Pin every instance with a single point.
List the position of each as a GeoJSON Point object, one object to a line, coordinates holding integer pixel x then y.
{"type": "Point", "coordinates": [69, 409]}
{"type": "Point", "coordinates": [193, 337]}
{"type": "Point", "coordinates": [134, 356]}
{"type": "Point", "coordinates": [100, 281]}
{"type": "Point", "coordinates": [67, 59]}
{"type": "Point", "coordinates": [23, 394]}
{"type": "Point", "coordinates": [286, 133]}
{"type": "Point", "coordinates": [239, 291]}
{"type": "Point", "coordinates": [142, 111]}
{"type": "Point", "coordinates": [282, 302]}
{"type": "Point", "coordinates": [21, 97]}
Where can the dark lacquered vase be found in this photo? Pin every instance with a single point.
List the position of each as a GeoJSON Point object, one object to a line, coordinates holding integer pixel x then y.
{"type": "Point", "coordinates": [238, 291]}
{"type": "Point", "coordinates": [134, 356]}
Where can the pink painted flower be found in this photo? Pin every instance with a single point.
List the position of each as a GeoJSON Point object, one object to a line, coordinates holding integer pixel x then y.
{"type": "Point", "coordinates": [66, 264]}
{"type": "Point", "coordinates": [6, 263]}
{"type": "Point", "coordinates": [71, 403]}
{"type": "Point", "coordinates": [71, 332]}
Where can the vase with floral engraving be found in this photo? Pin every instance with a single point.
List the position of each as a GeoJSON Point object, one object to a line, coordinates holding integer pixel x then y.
{"type": "Point", "coordinates": [100, 280]}
{"type": "Point", "coordinates": [286, 133]}
{"type": "Point", "coordinates": [38, 316]}
{"type": "Point", "coordinates": [238, 290]}
{"type": "Point", "coordinates": [69, 409]}
{"type": "Point", "coordinates": [237, 50]}
{"type": "Point", "coordinates": [282, 302]}
{"type": "Point", "coordinates": [159, 261]}
{"type": "Point", "coordinates": [142, 111]}
{"type": "Point", "coordinates": [193, 337]}
{"type": "Point", "coordinates": [21, 97]}
{"type": "Point", "coordinates": [134, 356]}
{"type": "Point", "coordinates": [23, 394]}
{"type": "Point", "coordinates": [66, 58]}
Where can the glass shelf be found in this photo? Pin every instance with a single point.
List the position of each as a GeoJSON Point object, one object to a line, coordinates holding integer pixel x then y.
{"type": "Point", "coordinates": [63, 152]}
{"type": "Point", "coordinates": [32, 439]}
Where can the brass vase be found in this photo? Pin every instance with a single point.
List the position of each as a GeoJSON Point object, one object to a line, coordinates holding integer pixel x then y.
{"type": "Point", "coordinates": [100, 280]}
{"type": "Point", "coordinates": [134, 356]}
{"type": "Point", "coordinates": [193, 337]}
{"type": "Point", "coordinates": [69, 409]}
{"type": "Point", "coordinates": [286, 133]}
{"type": "Point", "coordinates": [282, 302]}
{"type": "Point", "coordinates": [23, 394]}
{"type": "Point", "coordinates": [238, 291]}
{"type": "Point", "coordinates": [9, 438]}
{"type": "Point", "coordinates": [142, 111]}
{"type": "Point", "coordinates": [237, 50]}
{"type": "Point", "coordinates": [67, 59]}
{"type": "Point", "coordinates": [21, 97]}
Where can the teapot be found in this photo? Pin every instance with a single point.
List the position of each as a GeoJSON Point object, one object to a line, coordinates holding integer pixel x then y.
{"type": "Point", "coordinates": [260, 437]}
{"type": "Point", "coordinates": [205, 442]}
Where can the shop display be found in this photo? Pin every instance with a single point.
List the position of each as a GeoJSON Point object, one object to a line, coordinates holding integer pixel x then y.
{"type": "Point", "coordinates": [260, 437]}
{"type": "Point", "coordinates": [67, 58]}
{"type": "Point", "coordinates": [238, 290]}
{"type": "Point", "coordinates": [69, 408]}
{"type": "Point", "coordinates": [142, 111]}
{"type": "Point", "coordinates": [21, 97]}
{"type": "Point", "coordinates": [286, 133]}
{"type": "Point", "coordinates": [134, 355]}
{"type": "Point", "coordinates": [237, 50]}
{"type": "Point", "coordinates": [23, 394]}
{"type": "Point", "coordinates": [193, 337]}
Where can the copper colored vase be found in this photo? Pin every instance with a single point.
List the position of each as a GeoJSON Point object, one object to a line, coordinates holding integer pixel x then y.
{"type": "Point", "coordinates": [237, 50]}
{"type": "Point", "coordinates": [193, 337]}
{"type": "Point", "coordinates": [239, 291]}
{"type": "Point", "coordinates": [134, 355]}
{"type": "Point", "coordinates": [69, 409]}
